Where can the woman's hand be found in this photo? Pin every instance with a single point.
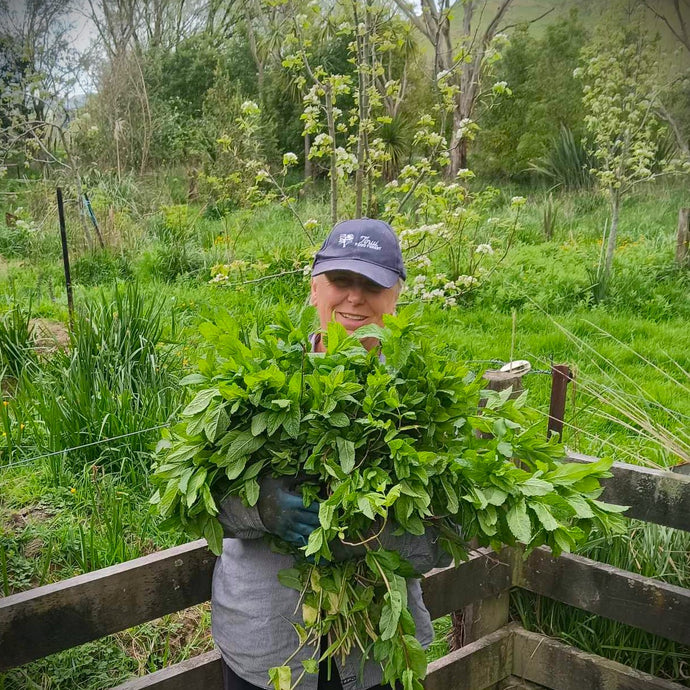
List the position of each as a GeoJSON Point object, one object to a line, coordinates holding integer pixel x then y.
{"type": "Point", "coordinates": [282, 512]}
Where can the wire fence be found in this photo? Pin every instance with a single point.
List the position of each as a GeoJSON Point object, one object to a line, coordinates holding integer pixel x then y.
{"type": "Point", "coordinates": [91, 444]}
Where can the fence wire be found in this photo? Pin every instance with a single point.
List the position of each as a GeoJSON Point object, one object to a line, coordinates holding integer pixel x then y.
{"type": "Point", "coordinates": [103, 441]}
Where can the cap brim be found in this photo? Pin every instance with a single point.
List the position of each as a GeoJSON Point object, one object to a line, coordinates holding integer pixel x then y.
{"type": "Point", "coordinates": [377, 274]}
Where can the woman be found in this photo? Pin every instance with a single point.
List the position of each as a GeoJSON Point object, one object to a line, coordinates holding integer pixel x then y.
{"type": "Point", "coordinates": [356, 279]}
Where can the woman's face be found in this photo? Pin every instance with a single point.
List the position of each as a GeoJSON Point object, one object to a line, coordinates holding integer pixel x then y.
{"type": "Point", "coordinates": [351, 299]}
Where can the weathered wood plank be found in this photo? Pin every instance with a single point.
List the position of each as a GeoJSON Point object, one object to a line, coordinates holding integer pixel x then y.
{"type": "Point", "coordinates": [485, 575]}
{"type": "Point", "coordinates": [476, 666]}
{"type": "Point", "coordinates": [515, 683]}
{"type": "Point", "coordinates": [658, 496]}
{"type": "Point", "coordinates": [642, 602]}
{"type": "Point", "coordinates": [485, 616]}
{"type": "Point", "coordinates": [48, 619]}
{"type": "Point", "coordinates": [201, 672]}
{"type": "Point", "coordinates": [41, 621]}
{"type": "Point", "coordinates": [558, 666]}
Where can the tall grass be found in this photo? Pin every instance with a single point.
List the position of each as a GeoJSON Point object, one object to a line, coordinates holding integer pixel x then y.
{"type": "Point", "coordinates": [614, 397]}
{"type": "Point", "coordinates": [17, 353]}
{"type": "Point", "coordinates": [650, 550]}
{"type": "Point", "coordinates": [118, 377]}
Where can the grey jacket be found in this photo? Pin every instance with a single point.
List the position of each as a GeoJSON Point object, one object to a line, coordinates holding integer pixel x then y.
{"type": "Point", "coordinates": [252, 611]}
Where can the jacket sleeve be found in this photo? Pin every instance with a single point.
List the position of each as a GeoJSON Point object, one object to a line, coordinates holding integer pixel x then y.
{"type": "Point", "coordinates": [239, 521]}
{"type": "Point", "coordinates": [423, 551]}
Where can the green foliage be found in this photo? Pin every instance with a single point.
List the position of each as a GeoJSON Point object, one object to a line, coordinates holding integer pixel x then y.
{"type": "Point", "coordinates": [15, 239]}
{"type": "Point", "coordinates": [116, 378]}
{"type": "Point", "coordinates": [172, 262]}
{"type": "Point", "coordinates": [17, 353]}
{"type": "Point", "coordinates": [396, 136]}
{"type": "Point", "coordinates": [620, 73]}
{"type": "Point", "coordinates": [176, 224]}
{"type": "Point", "coordinates": [549, 216]}
{"type": "Point", "coordinates": [373, 439]}
{"type": "Point", "coordinates": [567, 164]}
{"type": "Point", "coordinates": [545, 98]}
{"type": "Point", "coordinates": [185, 75]}
{"type": "Point", "coordinates": [101, 266]}
{"type": "Point", "coordinates": [620, 78]}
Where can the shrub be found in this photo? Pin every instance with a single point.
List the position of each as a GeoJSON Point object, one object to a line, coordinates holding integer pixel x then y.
{"type": "Point", "coordinates": [170, 262]}
{"type": "Point", "coordinates": [101, 266]}
{"type": "Point", "coordinates": [15, 240]}
{"type": "Point", "coordinates": [567, 164]}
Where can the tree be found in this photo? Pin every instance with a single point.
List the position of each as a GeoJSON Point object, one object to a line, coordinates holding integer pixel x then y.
{"type": "Point", "coordinates": [545, 97]}
{"type": "Point", "coordinates": [36, 75]}
{"type": "Point", "coordinates": [676, 18]}
{"type": "Point", "coordinates": [621, 90]}
{"type": "Point", "coordinates": [466, 66]}
{"type": "Point", "coordinates": [673, 108]}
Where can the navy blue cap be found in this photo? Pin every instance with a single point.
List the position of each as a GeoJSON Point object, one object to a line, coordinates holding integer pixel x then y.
{"type": "Point", "coordinates": [365, 246]}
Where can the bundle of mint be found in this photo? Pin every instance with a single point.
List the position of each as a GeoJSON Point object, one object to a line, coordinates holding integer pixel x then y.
{"type": "Point", "coordinates": [384, 438]}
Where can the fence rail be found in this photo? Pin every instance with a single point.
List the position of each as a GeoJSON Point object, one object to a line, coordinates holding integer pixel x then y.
{"type": "Point", "coordinates": [59, 616]}
{"type": "Point", "coordinates": [658, 496]}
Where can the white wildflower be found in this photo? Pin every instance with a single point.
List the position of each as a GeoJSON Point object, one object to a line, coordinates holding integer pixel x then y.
{"type": "Point", "coordinates": [289, 159]}
{"type": "Point", "coordinates": [249, 108]}
{"type": "Point", "coordinates": [484, 249]}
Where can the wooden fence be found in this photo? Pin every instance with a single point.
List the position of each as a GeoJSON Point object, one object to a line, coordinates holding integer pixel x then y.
{"type": "Point", "coordinates": [497, 654]}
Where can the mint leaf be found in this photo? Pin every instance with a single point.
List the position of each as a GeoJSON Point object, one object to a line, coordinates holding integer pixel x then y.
{"type": "Point", "coordinates": [346, 454]}
{"type": "Point", "coordinates": [201, 401]}
{"type": "Point", "coordinates": [519, 522]}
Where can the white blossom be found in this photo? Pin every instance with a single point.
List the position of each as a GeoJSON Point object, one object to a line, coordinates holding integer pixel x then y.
{"type": "Point", "coordinates": [249, 108]}
{"type": "Point", "coordinates": [289, 159]}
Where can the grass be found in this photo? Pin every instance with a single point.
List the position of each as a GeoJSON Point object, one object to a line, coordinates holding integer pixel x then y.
{"type": "Point", "coordinates": [86, 508]}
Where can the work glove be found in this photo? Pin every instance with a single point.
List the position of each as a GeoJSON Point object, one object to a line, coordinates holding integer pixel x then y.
{"type": "Point", "coordinates": [282, 511]}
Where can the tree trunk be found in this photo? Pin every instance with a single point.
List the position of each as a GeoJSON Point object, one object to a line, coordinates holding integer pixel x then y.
{"type": "Point", "coordinates": [611, 245]}
{"type": "Point", "coordinates": [334, 160]}
{"type": "Point", "coordinates": [361, 101]}
{"type": "Point", "coordinates": [308, 166]}
{"type": "Point", "coordinates": [458, 152]}
{"type": "Point", "coordinates": [683, 245]}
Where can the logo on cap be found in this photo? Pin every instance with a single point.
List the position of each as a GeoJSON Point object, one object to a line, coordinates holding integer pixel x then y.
{"type": "Point", "coordinates": [366, 243]}
{"type": "Point", "coordinates": [345, 240]}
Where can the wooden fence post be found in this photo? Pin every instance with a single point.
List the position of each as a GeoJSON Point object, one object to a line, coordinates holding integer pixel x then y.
{"type": "Point", "coordinates": [483, 617]}
{"type": "Point", "coordinates": [560, 376]}
{"type": "Point", "coordinates": [683, 246]}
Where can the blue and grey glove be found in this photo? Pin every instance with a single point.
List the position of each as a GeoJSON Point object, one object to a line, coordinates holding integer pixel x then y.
{"type": "Point", "coordinates": [282, 512]}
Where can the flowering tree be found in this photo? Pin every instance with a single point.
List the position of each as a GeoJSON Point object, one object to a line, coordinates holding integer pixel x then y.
{"type": "Point", "coordinates": [345, 135]}
{"type": "Point", "coordinates": [463, 66]}
{"type": "Point", "coordinates": [620, 95]}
